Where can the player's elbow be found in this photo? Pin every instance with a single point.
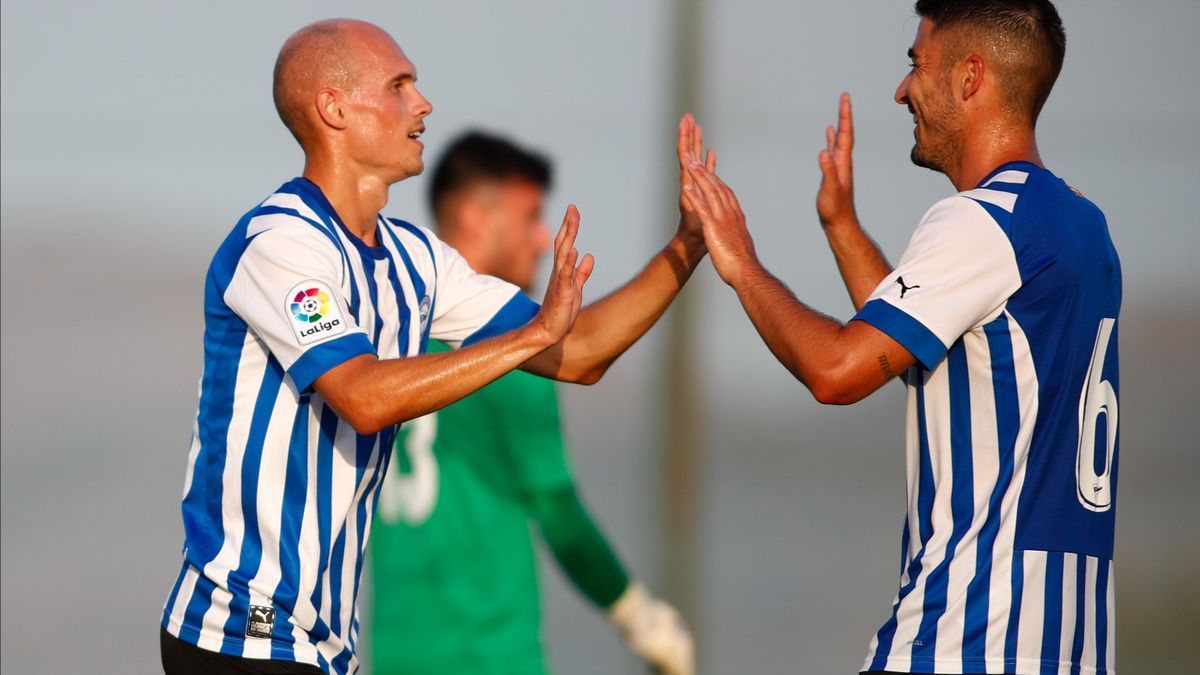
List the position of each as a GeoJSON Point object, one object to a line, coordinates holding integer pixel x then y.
{"type": "Point", "coordinates": [365, 415]}
{"type": "Point", "coordinates": [365, 420]}
{"type": "Point", "coordinates": [834, 393]}
{"type": "Point", "coordinates": [590, 377]}
{"type": "Point", "coordinates": [835, 384]}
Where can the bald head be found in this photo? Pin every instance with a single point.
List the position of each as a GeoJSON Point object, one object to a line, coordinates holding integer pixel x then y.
{"type": "Point", "coordinates": [323, 54]}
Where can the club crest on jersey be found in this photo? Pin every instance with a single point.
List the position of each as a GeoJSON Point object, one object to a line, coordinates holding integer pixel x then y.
{"type": "Point", "coordinates": [260, 622]}
{"type": "Point", "coordinates": [426, 305]}
{"type": "Point", "coordinates": [315, 314]}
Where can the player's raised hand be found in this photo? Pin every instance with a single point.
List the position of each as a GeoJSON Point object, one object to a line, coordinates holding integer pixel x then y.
{"type": "Point", "coordinates": [654, 631]}
{"type": "Point", "coordinates": [689, 149]}
{"type": "Point", "coordinates": [835, 198]}
{"type": "Point", "coordinates": [564, 292]}
{"type": "Point", "coordinates": [729, 243]}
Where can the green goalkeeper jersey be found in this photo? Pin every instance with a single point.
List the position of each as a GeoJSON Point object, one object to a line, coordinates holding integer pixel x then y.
{"type": "Point", "coordinates": [452, 558]}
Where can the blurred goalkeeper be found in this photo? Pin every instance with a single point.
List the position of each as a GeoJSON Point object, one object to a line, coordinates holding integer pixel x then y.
{"type": "Point", "coordinates": [454, 572]}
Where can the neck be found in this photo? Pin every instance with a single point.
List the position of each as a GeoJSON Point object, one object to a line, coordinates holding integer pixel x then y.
{"type": "Point", "coordinates": [990, 147]}
{"type": "Point", "coordinates": [357, 198]}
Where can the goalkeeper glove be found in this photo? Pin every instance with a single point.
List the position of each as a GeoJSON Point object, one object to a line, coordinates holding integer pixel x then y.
{"type": "Point", "coordinates": [654, 631]}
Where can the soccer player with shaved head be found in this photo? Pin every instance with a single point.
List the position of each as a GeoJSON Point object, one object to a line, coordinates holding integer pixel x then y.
{"type": "Point", "coordinates": [318, 311]}
{"type": "Point", "coordinates": [1001, 320]}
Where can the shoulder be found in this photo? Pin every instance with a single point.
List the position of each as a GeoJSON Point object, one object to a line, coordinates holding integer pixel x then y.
{"type": "Point", "coordinates": [963, 218]}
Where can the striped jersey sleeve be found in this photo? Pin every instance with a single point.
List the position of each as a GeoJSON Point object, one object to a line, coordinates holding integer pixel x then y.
{"type": "Point", "coordinates": [932, 298]}
{"type": "Point", "coordinates": [1008, 296]}
{"type": "Point", "coordinates": [473, 307]}
{"type": "Point", "coordinates": [287, 288]}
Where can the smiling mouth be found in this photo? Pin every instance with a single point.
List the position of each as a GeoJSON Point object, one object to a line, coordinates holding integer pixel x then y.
{"type": "Point", "coordinates": [416, 135]}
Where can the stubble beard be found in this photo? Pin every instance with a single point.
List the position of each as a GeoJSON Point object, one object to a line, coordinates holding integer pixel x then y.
{"type": "Point", "coordinates": [939, 146]}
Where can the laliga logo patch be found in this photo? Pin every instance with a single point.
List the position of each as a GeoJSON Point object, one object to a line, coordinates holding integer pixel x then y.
{"type": "Point", "coordinates": [315, 315]}
{"type": "Point", "coordinates": [426, 304]}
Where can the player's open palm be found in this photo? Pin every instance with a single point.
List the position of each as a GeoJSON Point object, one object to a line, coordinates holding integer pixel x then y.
{"type": "Point", "coordinates": [835, 198]}
{"type": "Point", "coordinates": [564, 292]}
{"type": "Point", "coordinates": [725, 234]}
{"type": "Point", "coordinates": [689, 149]}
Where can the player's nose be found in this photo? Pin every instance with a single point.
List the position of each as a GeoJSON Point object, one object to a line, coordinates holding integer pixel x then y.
{"type": "Point", "coordinates": [901, 95]}
{"type": "Point", "coordinates": [424, 106]}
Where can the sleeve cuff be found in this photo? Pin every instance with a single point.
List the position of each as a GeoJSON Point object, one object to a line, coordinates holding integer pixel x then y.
{"type": "Point", "coordinates": [515, 313]}
{"type": "Point", "coordinates": [319, 359]}
{"type": "Point", "coordinates": [910, 333]}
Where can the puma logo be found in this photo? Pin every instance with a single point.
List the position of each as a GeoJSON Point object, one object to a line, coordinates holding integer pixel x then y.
{"type": "Point", "coordinates": [904, 289]}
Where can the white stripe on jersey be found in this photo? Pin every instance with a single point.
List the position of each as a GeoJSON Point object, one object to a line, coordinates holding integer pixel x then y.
{"type": "Point", "coordinates": [972, 412]}
{"type": "Point", "coordinates": [314, 487]}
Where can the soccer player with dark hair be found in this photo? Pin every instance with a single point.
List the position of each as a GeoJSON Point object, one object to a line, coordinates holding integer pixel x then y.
{"type": "Point", "coordinates": [1001, 319]}
{"type": "Point", "coordinates": [317, 314]}
{"type": "Point", "coordinates": [453, 567]}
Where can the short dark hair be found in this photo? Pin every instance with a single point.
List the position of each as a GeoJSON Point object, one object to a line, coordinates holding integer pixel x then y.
{"type": "Point", "coordinates": [1030, 31]}
{"type": "Point", "coordinates": [477, 157]}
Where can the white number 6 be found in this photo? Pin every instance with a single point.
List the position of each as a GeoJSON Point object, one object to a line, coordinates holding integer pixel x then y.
{"type": "Point", "coordinates": [1097, 398]}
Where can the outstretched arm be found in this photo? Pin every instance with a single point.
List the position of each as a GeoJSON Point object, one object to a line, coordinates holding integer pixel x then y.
{"type": "Point", "coordinates": [651, 627]}
{"type": "Point", "coordinates": [578, 546]}
{"type": "Point", "coordinates": [371, 393]}
{"type": "Point", "coordinates": [838, 363]}
{"type": "Point", "coordinates": [607, 327]}
{"type": "Point", "coordinates": [859, 259]}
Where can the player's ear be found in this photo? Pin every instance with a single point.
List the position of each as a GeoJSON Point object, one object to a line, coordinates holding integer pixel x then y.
{"type": "Point", "coordinates": [971, 74]}
{"type": "Point", "coordinates": [329, 108]}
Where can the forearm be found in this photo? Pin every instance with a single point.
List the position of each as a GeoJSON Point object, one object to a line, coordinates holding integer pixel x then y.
{"type": "Point", "coordinates": [580, 549]}
{"type": "Point", "coordinates": [838, 363]}
{"type": "Point", "coordinates": [609, 326]}
{"type": "Point", "coordinates": [373, 393]}
{"type": "Point", "coordinates": [859, 260]}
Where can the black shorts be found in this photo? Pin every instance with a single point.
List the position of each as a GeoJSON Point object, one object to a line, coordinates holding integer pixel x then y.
{"type": "Point", "coordinates": [181, 658]}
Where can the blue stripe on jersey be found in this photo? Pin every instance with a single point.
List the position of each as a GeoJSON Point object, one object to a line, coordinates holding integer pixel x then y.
{"type": "Point", "coordinates": [1080, 617]}
{"type": "Point", "coordinates": [328, 429]}
{"type": "Point", "coordinates": [416, 232]}
{"type": "Point", "coordinates": [336, 562]}
{"type": "Point", "coordinates": [1004, 390]}
{"type": "Point", "coordinates": [403, 333]}
{"type": "Point", "coordinates": [322, 228]}
{"type": "Point", "coordinates": [1003, 218]}
{"type": "Point", "coordinates": [925, 486]}
{"type": "Point", "coordinates": [295, 494]}
{"type": "Point", "coordinates": [418, 291]}
{"type": "Point", "coordinates": [251, 550]}
{"type": "Point", "coordinates": [312, 197]}
{"type": "Point", "coordinates": [320, 358]}
{"type": "Point", "coordinates": [1102, 616]}
{"type": "Point", "coordinates": [368, 258]}
{"type": "Point", "coordinates": [910, 333]}
{"type": "Point", "coordinates": [1014, 612]}
{"type": "Point", "coordinates": [386, 439]}
{"type": "Point", "coordinates": [924, 527]}
{"type": "Point", "coordinates": [282, 641]}
{"type": "Point", "coordinates": [962, 504]}
{"type": "Point", "coordinates": [224, 336]}
{"type": "Point", "coordinates": [515, 313]}
{"type": "Point", "coordinates": [1052, 612]}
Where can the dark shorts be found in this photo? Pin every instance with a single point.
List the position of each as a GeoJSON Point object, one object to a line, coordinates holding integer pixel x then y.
{"type": "Point", "coordinates": [181, 658]}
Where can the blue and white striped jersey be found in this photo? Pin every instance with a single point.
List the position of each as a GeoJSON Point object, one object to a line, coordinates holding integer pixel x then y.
{"type": "Point", "coordinates": [280, 491]}
{"type": "Point", "coordinates": [1008, 296]}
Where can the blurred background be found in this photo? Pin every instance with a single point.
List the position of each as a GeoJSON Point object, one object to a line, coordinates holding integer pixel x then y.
{"type": "Point", "coordinates": [135, 133]}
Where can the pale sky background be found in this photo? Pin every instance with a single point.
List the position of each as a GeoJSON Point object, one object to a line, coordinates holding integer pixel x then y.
{"type": "Point", "coordinates": [135, 133]}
